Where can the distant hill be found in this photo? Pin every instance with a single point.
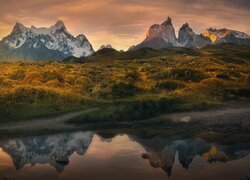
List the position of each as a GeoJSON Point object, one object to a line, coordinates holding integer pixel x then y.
{"type": "Point", "coordinates": [73, 59]}
{"type": "Point", "coordinates": [111, 54]}
{"type": "Point", "coordinates": [105, 51]}
{"type": "Point", "coordinates": [108, 46]}
{"type": "Point", "coordinates": [226, 50]}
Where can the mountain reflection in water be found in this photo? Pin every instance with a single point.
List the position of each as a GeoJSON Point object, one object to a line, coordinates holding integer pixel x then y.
{"type": "Point", "coordinates": [85, 154]}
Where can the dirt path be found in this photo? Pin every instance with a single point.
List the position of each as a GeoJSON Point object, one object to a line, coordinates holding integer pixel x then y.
{"type": "Point", "coordinates": [223, 116]}
{"type": "Point", "coordinates": [54, 122]}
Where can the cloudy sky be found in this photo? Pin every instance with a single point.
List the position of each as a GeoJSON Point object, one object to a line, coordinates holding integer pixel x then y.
{"type": "Point", "coordinates": [123, 23]}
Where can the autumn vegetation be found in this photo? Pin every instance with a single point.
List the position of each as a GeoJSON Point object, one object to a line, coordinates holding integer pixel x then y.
{"type": "Point", "coordinates": [126, 86]}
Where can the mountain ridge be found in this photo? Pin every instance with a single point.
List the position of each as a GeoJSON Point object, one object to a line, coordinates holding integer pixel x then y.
{"type": "Point", "coordinates": [163, 35]}
{"type": "Point", "coordinates": [43, 43]}
{"type": "Point", "coordinates": [56, 43]}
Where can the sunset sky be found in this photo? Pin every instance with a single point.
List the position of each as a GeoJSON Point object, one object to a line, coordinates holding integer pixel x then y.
{"type": "Point", "coordinates": [123, 23]}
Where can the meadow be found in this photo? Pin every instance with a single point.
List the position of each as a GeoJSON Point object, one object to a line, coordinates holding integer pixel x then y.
{"type": "Point", "coordinates": [126, 86]}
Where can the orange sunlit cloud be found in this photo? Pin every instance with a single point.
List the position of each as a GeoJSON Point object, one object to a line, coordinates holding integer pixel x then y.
{"type": "Point", "coordinates": [123, 23]}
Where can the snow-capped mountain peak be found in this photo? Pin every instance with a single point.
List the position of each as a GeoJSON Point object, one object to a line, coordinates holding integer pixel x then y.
{"type": "Point", "coordinates": [56, 42]}
{"type": "Point", "coordinates": [163, 36]}
{"type": "Point", "coordinates": [227, 35]}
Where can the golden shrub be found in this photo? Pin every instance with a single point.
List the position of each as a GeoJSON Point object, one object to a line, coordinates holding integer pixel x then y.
{"type": "Point", "coordinates": [18, 74]}
{"type": "Point", "coordinates": [70, 79]}
{"type": "Point", "coordinates": [30, 76]}
{"type": "Point", "coordinates": [83, 81]}
{"type": "Point", "coordinates": [52, 74]}
{"type": "Point", "coordinates": [212, 83]}
{"type": "Point", "coordinates": [36, 83]}
{"type": "Point", "coordinates": [2, 78]}
{"type": "Point", "coordinates": [8, 82]}
{"type": "Point", "coordinates": [53, 83]}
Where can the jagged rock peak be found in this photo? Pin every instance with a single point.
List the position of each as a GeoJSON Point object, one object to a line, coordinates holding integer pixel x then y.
{"type": "Point", "coordinates": [81, 37]}
{"type": "Point", "coordinates": [18, 26]}
{"type": "Point", "coordinates": [159, 36]}
{"type": "Point", "coordinates": [167, 22]}
{"type": "Point", "coordinates": [184, 26]}
{"type": "Point", "coordinates": [59, 25]}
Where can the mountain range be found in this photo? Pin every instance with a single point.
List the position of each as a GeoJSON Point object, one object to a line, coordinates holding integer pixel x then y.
{"type": "Point", "coordinates": [52, 43]}
{"type": "Point", "coordinates": [163, 36]}
{"type": "Point", "coordinates": [56, 43]}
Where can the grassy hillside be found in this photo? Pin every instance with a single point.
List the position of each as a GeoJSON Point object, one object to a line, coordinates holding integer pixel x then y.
{"type": "Point", "coordinates": [126, 85]}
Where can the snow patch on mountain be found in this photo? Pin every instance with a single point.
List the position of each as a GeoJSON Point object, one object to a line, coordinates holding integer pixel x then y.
{"type": "Point", "coordinates": [163, 36]}
{"type": "Point", "coordinates": [227, 35]}
{"type": "Point", "coordinates": [54, 38]}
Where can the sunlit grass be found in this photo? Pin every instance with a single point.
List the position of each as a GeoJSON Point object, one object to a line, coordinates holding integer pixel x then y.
{"type": "Point", "coordinates": [199, 79]}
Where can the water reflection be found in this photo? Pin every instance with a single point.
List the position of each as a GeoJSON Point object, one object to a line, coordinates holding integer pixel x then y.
{"type": "Point", "coordinates": [53, 150]}
{"type": "Point", "coordinates": [161, 153]}
{"type": "Point", "coordinates": [121, 154]}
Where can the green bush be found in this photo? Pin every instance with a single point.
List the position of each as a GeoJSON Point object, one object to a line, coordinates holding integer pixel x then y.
{"type": "Point", "coordinates": [18, 75]}
{"type": "Point", "coordinates": [132, 76]}
{"type": "Point", "coordinates": [27, 101]}
{"type": "Point", "coordinates": [223, 76]}
{"type": "Point", "coordinates": [188, 74]}
{"type": "Point", "coordinates": [212, 83]}
{"type": "Point", "coordinates": [120, 90]}
{"type": "Point", "coordinates": [160, 75]}
{"type": "Point", "coordinates": [170, 85]}
{"type": "Point", "coordinates": [246, 80]}
{"type": "Point", "coordinates": [29, 94]}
